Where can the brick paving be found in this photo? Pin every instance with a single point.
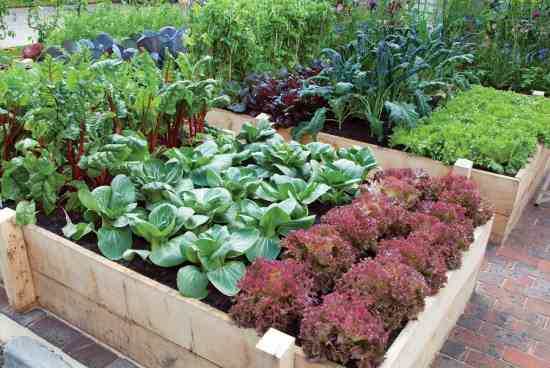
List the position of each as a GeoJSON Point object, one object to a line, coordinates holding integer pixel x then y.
{"type": "Point", "coordinates": [507, 321]}
{"type": "Point", "coordinates": [75, 344]}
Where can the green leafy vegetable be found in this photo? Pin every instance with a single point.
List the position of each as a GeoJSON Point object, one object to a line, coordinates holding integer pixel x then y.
{"type": "Point", "coordinates": [216, 253]}
{"type": "Point", "coordinates": [113, 204]}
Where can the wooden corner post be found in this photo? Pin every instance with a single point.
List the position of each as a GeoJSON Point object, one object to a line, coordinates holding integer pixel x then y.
{"type": "Point", "coordinates": [463, 167]}
{"type": "Point", "coordinates": [14, 263]}
{"type": "Point", "coordinates": [276, 350]}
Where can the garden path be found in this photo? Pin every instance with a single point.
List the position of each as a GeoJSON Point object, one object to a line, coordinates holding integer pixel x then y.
{"type": "Point", "coordinates": [17, 22]}
{"type": "Point", "coordinates": [507, 321]}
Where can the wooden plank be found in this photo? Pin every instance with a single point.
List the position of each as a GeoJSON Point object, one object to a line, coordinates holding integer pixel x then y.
{"type": "Point", "coordinates": [186, 322]}
{"type": "Point", "coordinates": [146, 337]}
{"type": "Point", "coordinates": [224, 119]}
{"type": "Point", "coordinates": [276, 350]}
{"type": "Point", "coordinates": [15, 267]}
{"type": "Point", "coordinates": [140, 344]}
{"type": "Point", "coordinates": [530, 179]}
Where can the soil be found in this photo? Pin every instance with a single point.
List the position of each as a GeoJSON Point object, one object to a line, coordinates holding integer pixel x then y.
{"type": "Point", "coordinates": [358, 130]}
{"type": "Point", "coordinates": [319, 209]}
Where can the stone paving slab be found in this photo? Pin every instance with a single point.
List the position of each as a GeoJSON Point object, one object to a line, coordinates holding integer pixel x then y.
{"type": "Point", "coordinates": [27, 352]}
{"type": "Point", "coordinates": [121, 363]}
{"type": "Point", "coordinates": [63, 336]}
{"type": "Point", "coordinates": [507, 321]}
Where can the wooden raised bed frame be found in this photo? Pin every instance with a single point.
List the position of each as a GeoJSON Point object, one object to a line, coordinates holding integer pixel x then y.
{"type": "Point", "coordinates": [158, 328]}
{"type": "Point", "coordinates": [509, 195]}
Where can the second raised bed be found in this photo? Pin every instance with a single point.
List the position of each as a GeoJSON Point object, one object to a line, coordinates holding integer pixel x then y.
{"type": "Point", "coordinates": [509, 195]}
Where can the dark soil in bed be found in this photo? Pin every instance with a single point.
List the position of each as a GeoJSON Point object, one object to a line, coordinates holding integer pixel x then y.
{"type": "Point", "coordinates": [357, 130]}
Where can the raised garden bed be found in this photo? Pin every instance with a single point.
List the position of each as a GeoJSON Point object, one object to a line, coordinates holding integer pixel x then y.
{"type": "Point", "coordinates": [157, 327]}
{"type": "Point", "coordinates": [509, 195]}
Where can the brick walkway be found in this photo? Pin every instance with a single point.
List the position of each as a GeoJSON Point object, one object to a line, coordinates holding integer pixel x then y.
{"type": "Point", "coordinates": [507, 321]}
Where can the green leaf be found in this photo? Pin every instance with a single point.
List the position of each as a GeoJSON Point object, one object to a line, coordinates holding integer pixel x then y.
{"type": "Point", "coordinates": [312, 127]}
{"type": "Point", "coordinates": [268, 248]}
{"type": "Point", "coordinates": [130, 254]}
{"type": "Point", "coordinates": [123, 193]}
{"type": "Point", "coordinates": [185, 242]}
{"type": "Point", "coordinates": [226, 278]}
{"type": "Point", "coordinates": [114, 242]}
{"type": "Point", "coordinates": [88, 200]}
{"type": "Point", "coordinates": [402, 114]}
{"type": "Point", "coordinates": [78, 231]}
{"type": "Point", "coordinates": [273, 217]}
{"type": "Point", "coordinates": [163, 217]}
{"type": "Point", "coordinates": [213, 179]}
{"type": "Point", "coordinates": [269, 193]}
{"type": "Point", "coordinates": [195, 221]}
{"type": "Point", "coordinates": [192, 282]}
{"type": "Point", "coordinates": [301, 223]}
{"type": "Point", "coordinates": [243, 239]}
{"type": "Point", "coordinates": [26, 144]}
{"type": "Point", "coordinates": [169, 254]}
{"type": "Point", "coordinates": [102, 196]}
{"type": "Point", "coordinates": [144, 228]}
{"type": "Point", "coordinates": [25, 213]}
{"type": "Point", "coordinates": [313, 192]}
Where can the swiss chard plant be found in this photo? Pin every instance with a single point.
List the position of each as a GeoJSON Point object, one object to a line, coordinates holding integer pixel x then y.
{"type": "Point", "coordinates": [32, 177]}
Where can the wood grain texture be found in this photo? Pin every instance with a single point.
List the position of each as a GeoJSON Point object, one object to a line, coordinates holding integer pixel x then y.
{"type": "Point", "coordinates": [14, 264]}
{"type": "Point", "coordinates": [139, 301]}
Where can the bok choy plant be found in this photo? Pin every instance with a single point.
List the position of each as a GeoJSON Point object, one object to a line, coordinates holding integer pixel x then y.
{"type": "Point", "coordinates": [273, 222]}
{"type": "Point", "coordinates": [160, 229]}
{"type": "Point", "coordinates": [215, 256]}
{"type": "Point", "coordinates": [113, 205]}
